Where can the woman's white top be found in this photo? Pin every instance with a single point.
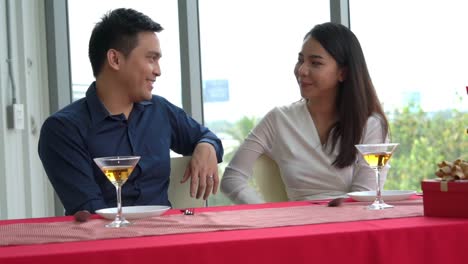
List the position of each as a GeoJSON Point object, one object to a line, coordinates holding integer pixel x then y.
{"type": "Point", "coordinates": [288, 136]}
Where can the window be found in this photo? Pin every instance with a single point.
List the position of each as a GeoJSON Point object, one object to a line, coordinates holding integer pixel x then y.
{"type": "Point", "coordinates": [82, 19]}
{"type": "Point", "coordinates": [248, 51]}
{"type": "Point", "coordinates": [416, 54]}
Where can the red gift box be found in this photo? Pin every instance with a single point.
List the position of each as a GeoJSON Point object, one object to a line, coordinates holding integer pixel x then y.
{"type": "Point", "coordinates": [445, 198]}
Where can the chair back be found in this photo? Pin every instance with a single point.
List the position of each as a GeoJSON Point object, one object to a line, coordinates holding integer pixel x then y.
{"type": "Point", "coordinates": [267, 176]}
{"type": "Point", "coordinates": [179, 194]}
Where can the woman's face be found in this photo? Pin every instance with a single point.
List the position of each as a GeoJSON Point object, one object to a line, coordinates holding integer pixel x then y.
{"type": "Point", "coordinates": [317, 72]}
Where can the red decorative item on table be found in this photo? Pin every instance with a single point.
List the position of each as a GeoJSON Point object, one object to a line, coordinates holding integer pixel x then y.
{"type": "Point", "coordinates": [447, 196]}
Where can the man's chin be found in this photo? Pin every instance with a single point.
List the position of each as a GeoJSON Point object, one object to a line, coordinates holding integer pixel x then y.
{"type": "Point", "coordinates": [141, 98]}
{"type": "Point", "coordinates": [148, 97]}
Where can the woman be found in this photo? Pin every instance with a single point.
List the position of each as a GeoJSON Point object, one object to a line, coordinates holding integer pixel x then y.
{"type": "Point", "coordinates": [312, 140]}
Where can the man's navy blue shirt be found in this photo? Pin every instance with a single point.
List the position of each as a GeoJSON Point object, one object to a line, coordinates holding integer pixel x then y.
{"type": "Point", "coordinates": [84, 130]}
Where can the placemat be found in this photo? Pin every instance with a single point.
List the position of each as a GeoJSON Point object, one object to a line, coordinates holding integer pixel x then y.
{"type": "Point", "coordinates": [40, 233]}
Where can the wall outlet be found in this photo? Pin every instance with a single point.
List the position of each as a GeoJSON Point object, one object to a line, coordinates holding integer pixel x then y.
{"type": "Point", "coordinates": [15, 116]}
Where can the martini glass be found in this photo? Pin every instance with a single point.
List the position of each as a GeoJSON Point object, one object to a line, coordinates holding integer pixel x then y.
{"type": "Point", "coordinates": [117, 170]}
{"type": "Point", "coordinates": [377, 156]}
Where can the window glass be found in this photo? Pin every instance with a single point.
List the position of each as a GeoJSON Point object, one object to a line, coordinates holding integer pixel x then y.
{"type": "Point", "coordinates": [417, 57]}
{"type": "Point", "coordinates": [248, 50]}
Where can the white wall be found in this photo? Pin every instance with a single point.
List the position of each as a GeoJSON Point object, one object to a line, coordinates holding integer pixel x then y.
{"type": "Point", "coordinates": [24, 188]}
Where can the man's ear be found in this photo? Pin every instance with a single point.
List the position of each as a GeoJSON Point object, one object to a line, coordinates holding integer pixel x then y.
{"type": "Point", "coordinates": [114, 59]}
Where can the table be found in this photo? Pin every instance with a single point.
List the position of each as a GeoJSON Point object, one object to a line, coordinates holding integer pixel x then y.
{"type": "Point", "coordinates": [401, 240]}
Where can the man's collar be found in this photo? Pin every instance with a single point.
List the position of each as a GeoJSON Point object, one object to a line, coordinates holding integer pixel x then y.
{"type": "Point", "coordinates": [97, 109]}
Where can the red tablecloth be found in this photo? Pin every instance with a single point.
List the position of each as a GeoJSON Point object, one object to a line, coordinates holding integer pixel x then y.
{"type": "Point", "coordinates": [402, 240]}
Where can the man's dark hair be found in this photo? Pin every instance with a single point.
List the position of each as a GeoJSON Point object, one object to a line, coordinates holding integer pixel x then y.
{"type": "Point", "coordinates": [118, 30]}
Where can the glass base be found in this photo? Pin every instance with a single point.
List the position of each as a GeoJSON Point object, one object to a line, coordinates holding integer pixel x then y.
{"type": "Point", "coordinates": [118, 223]}
{"type": "Point", "coordinates": [379, 206]}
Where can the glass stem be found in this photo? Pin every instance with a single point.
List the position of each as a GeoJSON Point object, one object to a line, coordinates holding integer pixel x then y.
{"type": "Point", "coordinates": [118, 216]}
{"type": "Point", "coordinates": [378, 198]}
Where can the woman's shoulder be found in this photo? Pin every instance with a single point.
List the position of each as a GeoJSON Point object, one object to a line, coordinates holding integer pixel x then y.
{"type": "Point", "coordinates": [374, 131]}
{"type": "Point", "coordinates": [286, 114]}
{"type": "Point", "coordinates": [375, 120]}
{"type": "Point", "coordinates": [289, 110]}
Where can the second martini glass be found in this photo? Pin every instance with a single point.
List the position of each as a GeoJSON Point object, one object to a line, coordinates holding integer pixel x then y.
{"type": "Point", "coordinates": [377, 156]}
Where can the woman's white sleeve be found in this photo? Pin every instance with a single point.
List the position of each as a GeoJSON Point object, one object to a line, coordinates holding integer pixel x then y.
{"type": "Point", "coordinates": [234, 183]}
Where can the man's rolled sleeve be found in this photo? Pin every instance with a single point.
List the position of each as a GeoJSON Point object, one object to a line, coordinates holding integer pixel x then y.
{"type": "Point", "coordinates": [216, 143]}
{"type": "Point", "coordinates": [187, 133]}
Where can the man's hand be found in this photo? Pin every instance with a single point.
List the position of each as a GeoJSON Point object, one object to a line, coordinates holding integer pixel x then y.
{"type": "Point", "coordinates": [203, 171]}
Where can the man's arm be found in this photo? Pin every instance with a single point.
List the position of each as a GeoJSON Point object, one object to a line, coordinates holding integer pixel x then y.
{"type": "Point", "coordinates": [69, 166]}
{"type": "Point", "coordinates": [203, 171]}
{"type": "Point", "coordinates": [187, 133]}
{"type": "Point", "coordinates": [191, 138]}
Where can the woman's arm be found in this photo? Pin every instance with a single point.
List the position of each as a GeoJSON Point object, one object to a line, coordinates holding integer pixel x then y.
{"type": "Point", "coordinates": [234, 183]}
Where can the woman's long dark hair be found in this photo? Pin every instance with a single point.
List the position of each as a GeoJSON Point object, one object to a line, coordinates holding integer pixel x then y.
{"type": "Point", "coordinates": [356, 98]}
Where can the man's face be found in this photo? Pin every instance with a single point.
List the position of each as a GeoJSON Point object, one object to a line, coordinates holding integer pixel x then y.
{"type": "Point", "coordinates": [141, 67]}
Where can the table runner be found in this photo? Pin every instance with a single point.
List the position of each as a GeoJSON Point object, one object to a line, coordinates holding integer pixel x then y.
{"type": "Point", "coordinates": [40, 233]}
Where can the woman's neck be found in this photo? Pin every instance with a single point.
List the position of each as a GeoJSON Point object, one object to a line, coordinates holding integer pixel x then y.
{"type": "Point", "coordinates": [324, 116]}
{"type": "Point", "coordinates": [322, 109]}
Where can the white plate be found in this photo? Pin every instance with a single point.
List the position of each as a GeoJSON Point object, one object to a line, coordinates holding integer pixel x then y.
{"type": "Point", "coordinates": [387, 195]}
{"type": "Point", "coordinates": [134, 212]}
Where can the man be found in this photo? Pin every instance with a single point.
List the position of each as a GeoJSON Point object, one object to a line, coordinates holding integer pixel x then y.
{"type": "Point", "coordinates": [120, 117]}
